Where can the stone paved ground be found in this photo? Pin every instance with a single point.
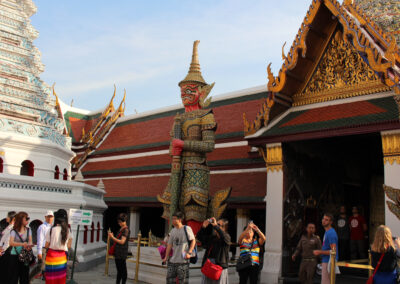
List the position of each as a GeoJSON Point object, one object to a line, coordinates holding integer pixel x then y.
{"type": "Point", "coordinates": [94, 276]}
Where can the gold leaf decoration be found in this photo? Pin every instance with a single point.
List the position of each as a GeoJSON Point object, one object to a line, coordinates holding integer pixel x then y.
{"type": "Point", "coordinates": [341, 73]}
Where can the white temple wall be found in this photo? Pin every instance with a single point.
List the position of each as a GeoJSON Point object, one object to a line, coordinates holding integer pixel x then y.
{"type": "Point", "coordinates": [37, 195]}
{"type": "Point", "coordinates": [43, 154]}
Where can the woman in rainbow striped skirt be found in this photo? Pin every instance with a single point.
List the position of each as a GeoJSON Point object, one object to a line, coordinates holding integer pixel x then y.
{"type": "Point", "coordinates": [58, 241]}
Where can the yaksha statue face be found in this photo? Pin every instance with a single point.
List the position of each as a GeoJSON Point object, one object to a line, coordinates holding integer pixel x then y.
{"type": "Point", "coordinates": [194, 90]}
{"type": "Point", "coordinates": [190, 94]}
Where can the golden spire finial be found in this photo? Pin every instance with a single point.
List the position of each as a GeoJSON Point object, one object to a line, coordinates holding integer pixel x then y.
{"type": "Point", "coordinates": [195, 64]}
{"type": "Point", "coordinates": [194, 74]}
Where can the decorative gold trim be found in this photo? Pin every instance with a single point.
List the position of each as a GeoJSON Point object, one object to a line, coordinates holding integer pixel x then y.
{"type": "Point", "coordinates": [391, 148]}
{"type": "Point", "coordinates": [382, 63]}
{"type": "Point", "coordinates": [262, 117]}
{"type": "Point", "coordinates": [274, 159]}
{"type": "Point", "coordinates": [58, 107]}
{"type": "Point", "coordinates": [93, 142]}
{"type": "Point", "coordinates": [110, 108]}
{"type": "Point", "coordinates": [337, 93]}
{"type": "Point", "coordinates": [276, 84]}
{"type": "Point", "coordinates": [341, 73]}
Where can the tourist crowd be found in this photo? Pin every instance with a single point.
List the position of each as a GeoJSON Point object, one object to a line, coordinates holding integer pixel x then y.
{"type": "Point", "coordinates": [181, 250]}
{"type": "Point", "coordinates": [18, 264]}
{"type": "Point", "coordinates": [54, 241]}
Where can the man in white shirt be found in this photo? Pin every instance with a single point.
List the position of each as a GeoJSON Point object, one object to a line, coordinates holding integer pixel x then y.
{"type": "Point", "coordinates": [41, 238]}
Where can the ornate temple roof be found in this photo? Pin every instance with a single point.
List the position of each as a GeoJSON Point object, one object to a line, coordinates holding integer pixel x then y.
{"type": "Point", "coordinates": [27, 106]}
{"type": "Point", "coordinates": [88, 129]}
{"type": "Point", "coordinates": [312, 120]}
{"type": "Point", "coordinates": [339, 52]}
{"type": "Point", "coordinates": [134, 161]}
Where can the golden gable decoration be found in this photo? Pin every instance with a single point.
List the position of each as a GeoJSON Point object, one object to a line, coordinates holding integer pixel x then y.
{"type": "Point", "coordinates": [341, 73]}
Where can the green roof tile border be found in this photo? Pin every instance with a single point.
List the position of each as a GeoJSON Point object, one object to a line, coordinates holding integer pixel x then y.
{"type": "Point", "coordinates": [386, 103]}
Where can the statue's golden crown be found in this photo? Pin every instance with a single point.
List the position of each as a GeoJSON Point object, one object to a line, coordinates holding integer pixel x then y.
{"type": "Point", "coordinates": [194, 77]}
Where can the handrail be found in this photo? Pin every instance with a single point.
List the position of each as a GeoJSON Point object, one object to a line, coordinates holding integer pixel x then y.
{"type": "Point", "coordinates": [333, 265]}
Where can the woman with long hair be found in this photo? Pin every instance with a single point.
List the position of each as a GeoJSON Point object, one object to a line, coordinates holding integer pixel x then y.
{"type": "Point", "coordinates": [121, 243]}
{"type": "Point", "coordinates": [214, 237]}
{"type": "Point", "coordinates": [384, 250]}
{"type": "Point", "coordinates": [20, 237]}
{"type": "Point", "coordinates": [58, 241]}
{"type": "Point", "coordinates": [251, 242]}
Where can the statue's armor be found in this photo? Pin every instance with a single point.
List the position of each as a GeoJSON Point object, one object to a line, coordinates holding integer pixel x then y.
{"type": "Point", "coordinates": [198, 133]}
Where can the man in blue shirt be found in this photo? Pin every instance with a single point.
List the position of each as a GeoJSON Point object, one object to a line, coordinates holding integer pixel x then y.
{"type": "Point", "coordinates": [41, 238]}
{"type": "Point", "coordinates": [330, 242]}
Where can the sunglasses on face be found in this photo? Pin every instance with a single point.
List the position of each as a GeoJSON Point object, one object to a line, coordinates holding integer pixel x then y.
{"type": "Point", "coordinates": [27, 218]}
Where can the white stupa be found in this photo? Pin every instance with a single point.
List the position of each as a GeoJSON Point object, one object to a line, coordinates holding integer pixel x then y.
{"type": "Point", "coordinates": [35, 149]}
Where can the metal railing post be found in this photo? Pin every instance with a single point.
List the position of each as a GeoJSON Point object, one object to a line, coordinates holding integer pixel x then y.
{"type": "Point", "coordinates": [370, 263]}
{"type": "Point", "coordinates": [138, 257]}
{"type": "Point", "coordinates": [150, 235]}
{"type": "Point", "coordinates": [107, 255]}
{"type": "Point", "coordinates": [333, 266]}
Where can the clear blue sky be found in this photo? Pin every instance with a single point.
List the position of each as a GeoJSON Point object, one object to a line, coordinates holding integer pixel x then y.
{"type": "Point", "coordinates": [145, 46]}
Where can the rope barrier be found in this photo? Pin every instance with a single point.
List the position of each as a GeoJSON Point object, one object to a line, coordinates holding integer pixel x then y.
{"type": "Point", "coordinates": [354, 264]}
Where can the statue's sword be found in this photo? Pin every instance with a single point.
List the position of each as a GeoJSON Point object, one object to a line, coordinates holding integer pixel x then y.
{"type": "Point", "coordinates": [176, 173]}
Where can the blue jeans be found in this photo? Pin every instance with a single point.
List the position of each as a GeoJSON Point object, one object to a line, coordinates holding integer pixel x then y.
{"type": "Point", "coordinates": [385, 277]}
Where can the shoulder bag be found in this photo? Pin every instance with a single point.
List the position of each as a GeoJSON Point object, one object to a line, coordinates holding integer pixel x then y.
{"type": "Point", "coordinates": [25, 256]}
{"type": "Point", "coordinates": [371, 278]}
{"type": "Point", "coordinates": [244, 261]}
{"type": "Point", "coordinates": [111, 250]}
{"type": "Point", "coordinates": [193, 259]}
{"type": "Point", "coordinates": [211, 270]}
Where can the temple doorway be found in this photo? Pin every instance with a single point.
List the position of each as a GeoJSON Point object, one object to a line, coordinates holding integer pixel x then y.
{"type": "Point", "coordinates": [321, 175]}
{"type": "Point", "coordinates": [150, 220]}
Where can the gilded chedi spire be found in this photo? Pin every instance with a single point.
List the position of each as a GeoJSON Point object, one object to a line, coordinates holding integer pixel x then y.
{"type": "Point", "coordinates": [194, 74]}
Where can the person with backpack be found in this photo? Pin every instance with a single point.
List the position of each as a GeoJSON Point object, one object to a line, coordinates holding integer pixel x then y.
{"type": "Point", "coordinates": [120, 248]}
{"type": "Point", "coordinates": [182, 241]}
{"type": "Point", "coordinates": [251, 242]}
{"type": "Point", "coordinates": [215, 239]}
{"type": "Point", "coordinates": [21, 242]}
{"type": "Point", "coordinates": [58, 241]}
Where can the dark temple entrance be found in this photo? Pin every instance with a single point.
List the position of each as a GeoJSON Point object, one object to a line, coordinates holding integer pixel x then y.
{"type": "Point", "coordinates": [321, 175]}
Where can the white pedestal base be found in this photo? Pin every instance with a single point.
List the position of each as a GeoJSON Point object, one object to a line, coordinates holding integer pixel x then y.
{"type": "Point", "coordinates": [272, 268]}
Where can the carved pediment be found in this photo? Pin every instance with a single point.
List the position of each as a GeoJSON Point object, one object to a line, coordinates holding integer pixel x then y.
{"type": "Point", "coordinates": [341, 73]}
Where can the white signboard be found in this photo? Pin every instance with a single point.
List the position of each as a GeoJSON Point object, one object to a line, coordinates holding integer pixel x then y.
{"type": "Point", "coordinates": [80, 217]}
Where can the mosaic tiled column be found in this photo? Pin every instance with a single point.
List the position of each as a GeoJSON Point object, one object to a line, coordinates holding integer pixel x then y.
{"type": "Point", "coordinates": [274, 210]}
{"type": "Point", "coordinates": [391, 160]}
